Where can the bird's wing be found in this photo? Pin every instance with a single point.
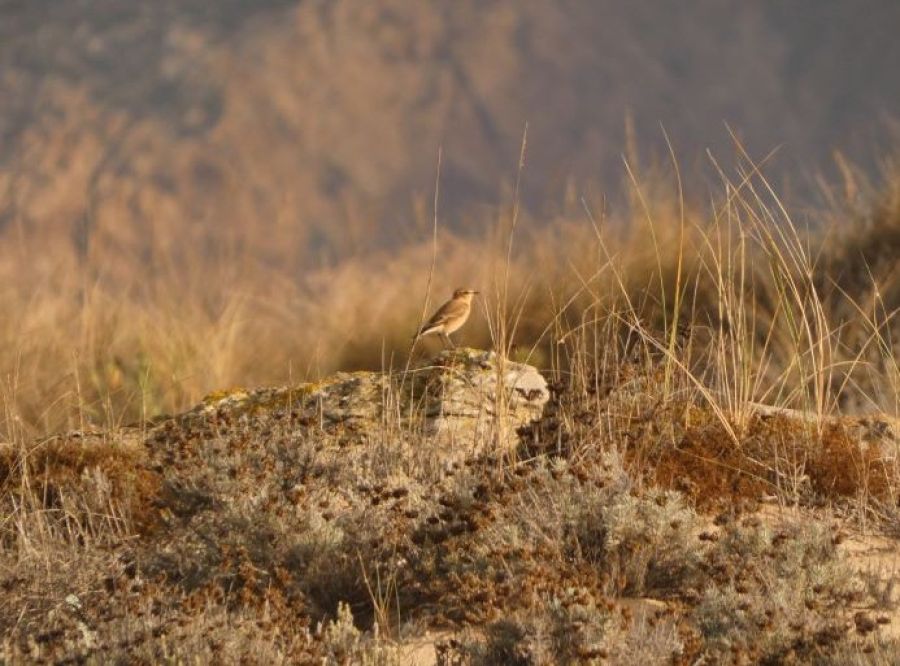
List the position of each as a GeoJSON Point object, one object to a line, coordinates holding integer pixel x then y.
{"type": "Point", "coordinates": [449, 310]}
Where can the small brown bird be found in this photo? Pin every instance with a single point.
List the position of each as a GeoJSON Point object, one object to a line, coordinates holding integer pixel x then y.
{"type": "Point", "coordinates": [450, 317]}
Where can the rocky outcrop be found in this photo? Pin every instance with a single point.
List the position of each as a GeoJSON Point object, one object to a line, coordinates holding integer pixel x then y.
{"type": "Point", "coordinates": [474, 397]}
{"type": "Point", "coordinates": [469, 399]}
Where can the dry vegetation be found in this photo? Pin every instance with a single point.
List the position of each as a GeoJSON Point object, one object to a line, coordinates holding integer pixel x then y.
{"type": "Point", "coordinates": [111, 335]}
{"type": "Point", "coordinates": [268, 539]}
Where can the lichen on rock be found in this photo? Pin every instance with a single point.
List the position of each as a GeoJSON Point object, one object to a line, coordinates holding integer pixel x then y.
{"type": "Point", "coordinates": [469, 398]}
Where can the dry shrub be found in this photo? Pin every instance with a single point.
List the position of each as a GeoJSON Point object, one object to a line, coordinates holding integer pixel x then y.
{"type": "Point", "coordinates": [643, 545]}
{"type": "Point", "coordinates": [92, 484]}
{"type": "Point", "coordinates": [343, 643]}
{"type": "Point", "coordinates": [779, 455]}
{"type": "Point", "coordinates": [328, 546]}
{"type": "Point", "coordinates": [685, 446]}
{"type": "Point", "coordinates": [772, 596]}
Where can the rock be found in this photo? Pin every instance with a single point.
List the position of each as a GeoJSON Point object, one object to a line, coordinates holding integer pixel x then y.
{"type": "Point", "coordinates": [469, 399]}
{"type": "Point", "coordinates": [476, 397]}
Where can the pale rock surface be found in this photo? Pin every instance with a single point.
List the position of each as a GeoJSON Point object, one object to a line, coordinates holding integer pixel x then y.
{"type": "Point", "coordinates": [474, 397]}
{"type": "Point", "coordinates": [473, 400]}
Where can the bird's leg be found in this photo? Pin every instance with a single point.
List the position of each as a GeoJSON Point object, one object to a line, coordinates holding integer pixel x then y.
{"type": "Point", "coordinates": [447, 341]}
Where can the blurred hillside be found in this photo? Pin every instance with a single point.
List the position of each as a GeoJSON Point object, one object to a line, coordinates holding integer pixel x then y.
{"type": "Point", "coordinates": [290, 127]}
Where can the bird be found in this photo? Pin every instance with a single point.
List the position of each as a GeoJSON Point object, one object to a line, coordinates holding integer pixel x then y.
{"type": "Point", "coordinates": [449, 317]}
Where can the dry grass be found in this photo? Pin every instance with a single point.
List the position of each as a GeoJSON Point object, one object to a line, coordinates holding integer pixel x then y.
{"type": "Point", "coordinates": [116, 335]}
{"type": "Point", "coordinates": [262, 537]}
